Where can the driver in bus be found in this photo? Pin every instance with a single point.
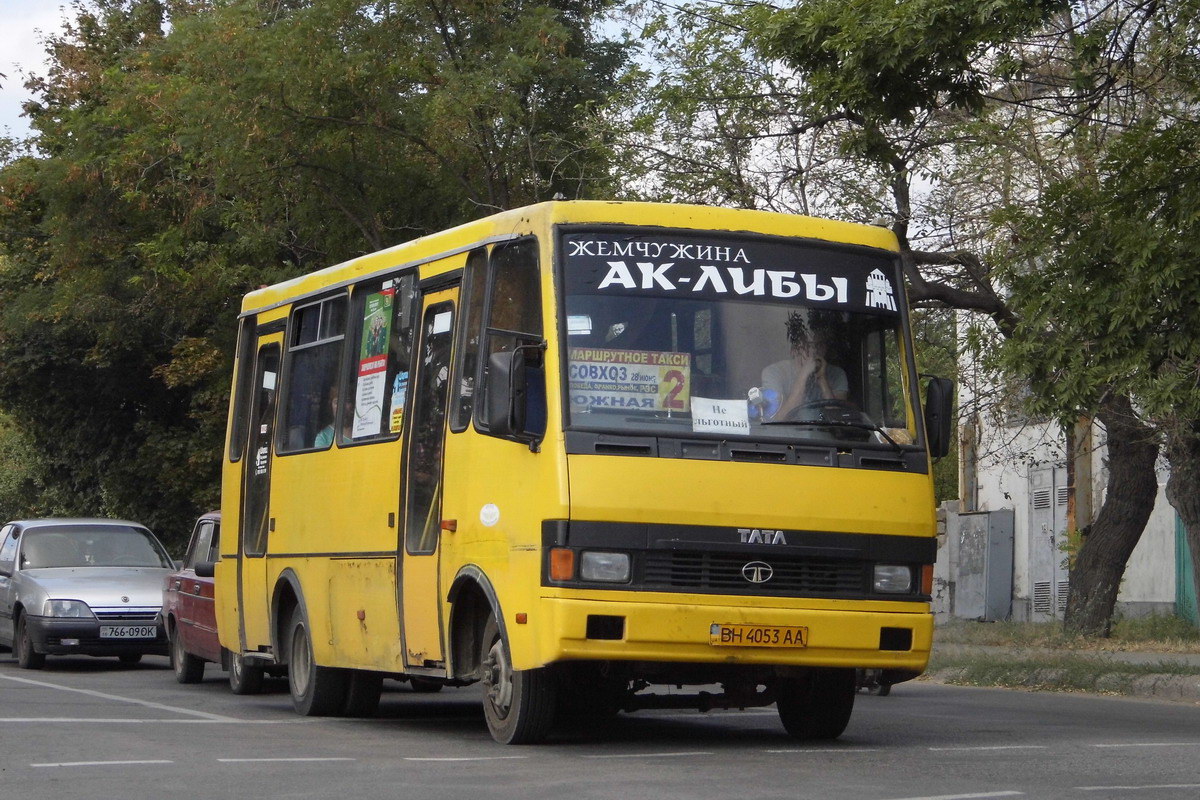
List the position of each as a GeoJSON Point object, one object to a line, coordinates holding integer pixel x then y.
{"type": "Point", "coordinates": [806, 377]}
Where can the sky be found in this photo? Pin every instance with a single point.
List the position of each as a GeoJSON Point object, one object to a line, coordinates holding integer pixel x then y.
{"type": "Point", "coordinates": [23, 24]}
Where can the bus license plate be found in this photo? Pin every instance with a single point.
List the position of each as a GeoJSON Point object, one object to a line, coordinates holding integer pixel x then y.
{"type": "Point", "coordinates": [738, 635]}
{"type": "Point", "coordinates": [128, 631]}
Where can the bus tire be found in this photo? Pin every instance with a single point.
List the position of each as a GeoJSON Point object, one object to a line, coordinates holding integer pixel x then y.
{"type": "Point", "coordinates": [316, 691]}
{"type": "Point", "coordinates": [817, 705]}
{"type": "Point", "coordinates": [517, 704]}
{"type": "Point", "coordinates": [27, 657]}
{"type": "Point", "coordinates": [244, 677]}
{"type": "Point", "coordinates": [362, 693]}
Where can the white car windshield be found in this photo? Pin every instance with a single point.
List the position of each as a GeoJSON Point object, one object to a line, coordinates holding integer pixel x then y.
{"type": "Point", "coordinates": [91, 546]}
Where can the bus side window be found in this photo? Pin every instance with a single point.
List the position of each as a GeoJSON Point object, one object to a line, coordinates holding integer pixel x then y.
{"type": "Point", "coordinates": [243, 390]}
{"type": "Point", "coordinates": [467, 355]}
{"type": "Point", "coordinates": [514, 317]}
{"type": "Point", "coordinates": [376, 384]}
{"type": "Point", "coordinates": [314, 353]}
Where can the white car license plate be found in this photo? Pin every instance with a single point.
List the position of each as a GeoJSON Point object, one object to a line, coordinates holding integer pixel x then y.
{"type": "Point", "coordinates": [128, 631]}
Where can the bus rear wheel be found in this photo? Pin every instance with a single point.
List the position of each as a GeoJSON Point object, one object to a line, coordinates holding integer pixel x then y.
{"type": "Point", "coordinates": [518, 704]}
{"type": "Point", "coordinates": [316, 691]}
{"type": "Point", "coordinates": [817, 705]}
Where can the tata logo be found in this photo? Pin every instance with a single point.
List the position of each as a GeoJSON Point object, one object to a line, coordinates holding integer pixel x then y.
{"type": "Point", "coordinates": [755, 536]}
{"type": "Point", "coordinates": [757, 572]}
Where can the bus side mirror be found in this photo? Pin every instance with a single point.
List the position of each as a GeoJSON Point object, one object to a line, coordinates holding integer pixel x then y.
{"type": "Point", "coordinates": [939, 414]}
{"type": "Point", "coordinates": [205, 569]}
{"type": "Point", "coordinates": [506, 393]}
{"type": "Point", "coordinates": [516, 394]}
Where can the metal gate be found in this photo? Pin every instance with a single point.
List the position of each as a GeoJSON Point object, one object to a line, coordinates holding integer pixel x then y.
{"type": "Point", "coordinates": [1185, 578]}
{"type": "Point", "coordinates": [1048, 558]}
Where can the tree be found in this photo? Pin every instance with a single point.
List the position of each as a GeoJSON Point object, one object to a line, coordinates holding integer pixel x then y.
{"type": "Point", "coordinates": [186, 152]}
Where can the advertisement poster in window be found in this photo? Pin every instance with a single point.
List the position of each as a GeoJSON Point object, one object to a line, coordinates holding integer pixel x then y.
{"type": "Point", "coordinates": [373, 362]}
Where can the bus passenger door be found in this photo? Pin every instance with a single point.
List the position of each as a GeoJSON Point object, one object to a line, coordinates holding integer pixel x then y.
{"type": "Point", "coordinates": [421, 629]}
{"type": "Point", "coordinates": [255, 519]}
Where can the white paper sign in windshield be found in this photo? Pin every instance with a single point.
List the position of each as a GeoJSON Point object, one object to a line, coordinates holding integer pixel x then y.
{"type": "Point", "coordinates": [720, 416]}
{"type": "Point", "coordinates": [646, 380]}
{"type": "Point", "coordinates": [679, 264]}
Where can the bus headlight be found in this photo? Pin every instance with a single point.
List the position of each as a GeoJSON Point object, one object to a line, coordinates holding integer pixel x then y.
{"type": "Point", "coordinates": [66, 608]}
{"type": "Point", "coordinates": [893, 579]}
{"type": "Point", "coordinates": [611, 567]}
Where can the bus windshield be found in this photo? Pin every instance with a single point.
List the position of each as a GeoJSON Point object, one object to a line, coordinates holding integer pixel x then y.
{"type": "Point", "coordinates": [677, 333]}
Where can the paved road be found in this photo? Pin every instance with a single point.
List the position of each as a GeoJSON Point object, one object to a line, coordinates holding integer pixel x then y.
{"type": "Point", "coordinates": [91, 728]}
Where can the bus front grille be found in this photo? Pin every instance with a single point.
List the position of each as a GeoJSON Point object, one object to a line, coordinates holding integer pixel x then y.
{"type": "Point", "coordinates": [737, 574]}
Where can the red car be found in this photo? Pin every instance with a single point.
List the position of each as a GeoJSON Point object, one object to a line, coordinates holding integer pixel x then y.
{"type": "Point", "coordinates": [188, 610]}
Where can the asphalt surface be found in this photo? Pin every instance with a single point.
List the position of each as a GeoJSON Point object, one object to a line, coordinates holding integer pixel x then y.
{"type": "Point", "coordinates": [91, 728]}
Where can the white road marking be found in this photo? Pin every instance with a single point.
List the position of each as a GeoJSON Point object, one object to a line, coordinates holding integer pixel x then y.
{"type": "Point", "coordinates": [1151, 744]}
{"type": "Point", "coordinates": [465, 758]}
{"type": "Point", "coordinates": [269, 760]}
{"type": "Point", "coordinates": [979, 796]}
{"type": "Point", "coordinates": [993, 747]}
{"type": "Point", "coordinates": [1138, 788]}
{"type": "Point", "coordinates": [829, 750]}
{"type": "Point", "coordinates": [119, 721]}
{"type": "Point", "coordinates": [119, 698]}
{"type": "Point", "coordinates": [651, 755]}
{"type": "Point", "coordinates": [100, 763]}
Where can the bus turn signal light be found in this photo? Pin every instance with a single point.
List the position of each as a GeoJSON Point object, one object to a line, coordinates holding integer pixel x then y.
{"type": "Point", "coordinates": [927, 579]}
{"type": "Point", "coordinates": [562, 564]}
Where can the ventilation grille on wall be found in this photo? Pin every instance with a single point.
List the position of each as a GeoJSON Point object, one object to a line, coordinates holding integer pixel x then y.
{"type": "Point", "coordinates": [1062, 495]}
{"type": "Point", "coordinates": [1042, 594]}
{"type": "Point", "coordinates": [1041, 498]}
{"type": "Point", "coordinates": [1062, 597]}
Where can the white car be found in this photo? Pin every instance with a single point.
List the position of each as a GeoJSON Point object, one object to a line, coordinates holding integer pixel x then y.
{"type": "Point", "coordinates": [81, 586]}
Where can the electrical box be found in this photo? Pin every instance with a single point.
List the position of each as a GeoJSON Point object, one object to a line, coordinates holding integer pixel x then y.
{"type": "Point", "coordinates": [984, 569]}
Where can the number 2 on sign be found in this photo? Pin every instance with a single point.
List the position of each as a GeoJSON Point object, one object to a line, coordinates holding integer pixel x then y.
{"type": "Point", "coordinates": [672, 399]}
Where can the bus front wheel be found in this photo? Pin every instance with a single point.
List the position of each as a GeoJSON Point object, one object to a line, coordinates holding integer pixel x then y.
{"type": "Point", "coordinates": [316, 691]}
{"type": "Point", "coordinates": [518, 704]}
{"type": "Point", "coordinates": [817, 705]}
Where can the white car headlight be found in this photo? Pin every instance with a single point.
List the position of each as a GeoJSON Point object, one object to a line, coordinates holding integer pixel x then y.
{"type": "Point", "coordinates": [66, 608]}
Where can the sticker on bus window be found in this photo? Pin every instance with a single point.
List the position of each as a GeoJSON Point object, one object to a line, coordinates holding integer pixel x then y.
{"type": "Point", "coordinates": [646, 380]}
{"type": "Point", "coordinates": [720, 416]}
{"type": "Point", "coordinates": [399, 394]}
{"type": "Point", "coordinates": [372, 364]}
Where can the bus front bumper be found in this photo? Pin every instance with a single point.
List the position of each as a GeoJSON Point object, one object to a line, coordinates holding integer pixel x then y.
{"type": "Point", "coordinates": [832, 636]}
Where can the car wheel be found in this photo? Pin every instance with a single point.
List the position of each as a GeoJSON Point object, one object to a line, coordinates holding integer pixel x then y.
{"type": "Point", "coordinates": [244, 677]}
{"type": "Point", "coordinates": [27, 657]}
{"type": "Point", "coordinates": [188, 668]}
{"type": "Point", "coordinates": [817, 705]}
{"type": "Point", "coordinates": [425, 685]}
{"type": "Point", "coordinates": [316, 691]}
{"type": "Point", "coordinates": [517, 704]}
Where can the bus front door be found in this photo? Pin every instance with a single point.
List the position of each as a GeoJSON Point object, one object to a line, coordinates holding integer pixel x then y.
{"type": "Point", "coordinates": [421, 591]}
{"type": "Point", "coordinates": [255, 522]}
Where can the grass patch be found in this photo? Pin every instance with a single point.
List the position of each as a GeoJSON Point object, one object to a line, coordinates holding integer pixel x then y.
{"type": "Point", "coordinates": [1157, 634]}
{"type": "Point", "coordinates": [1056, 672]}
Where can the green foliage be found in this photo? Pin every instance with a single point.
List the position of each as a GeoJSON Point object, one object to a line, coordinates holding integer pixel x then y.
{"type": "Point", "coordinates": [187, 152]}
{"type": "Point", "coordinates": [888, 60]}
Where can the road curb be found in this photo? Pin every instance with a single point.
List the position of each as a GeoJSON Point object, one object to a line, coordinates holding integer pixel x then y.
{"type": "Point", "coordinates": [1166, 687]}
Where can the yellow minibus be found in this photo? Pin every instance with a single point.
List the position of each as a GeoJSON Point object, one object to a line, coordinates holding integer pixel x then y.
{"type": "Point", "coordinates": [580, 451]}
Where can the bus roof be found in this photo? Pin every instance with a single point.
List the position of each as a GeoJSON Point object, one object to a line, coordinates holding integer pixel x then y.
{"type": "Point", "coordinates": [539, 217]}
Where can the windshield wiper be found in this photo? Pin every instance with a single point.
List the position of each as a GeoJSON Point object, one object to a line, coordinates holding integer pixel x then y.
{"type": "Point", "coordinates": [839, 423]}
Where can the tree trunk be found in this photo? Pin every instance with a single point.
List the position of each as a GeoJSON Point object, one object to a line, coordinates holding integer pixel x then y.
{"type": "Point", "coordinates": [1183, 487]}
{"type": "Point", "coordinates": [1128, 501]}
